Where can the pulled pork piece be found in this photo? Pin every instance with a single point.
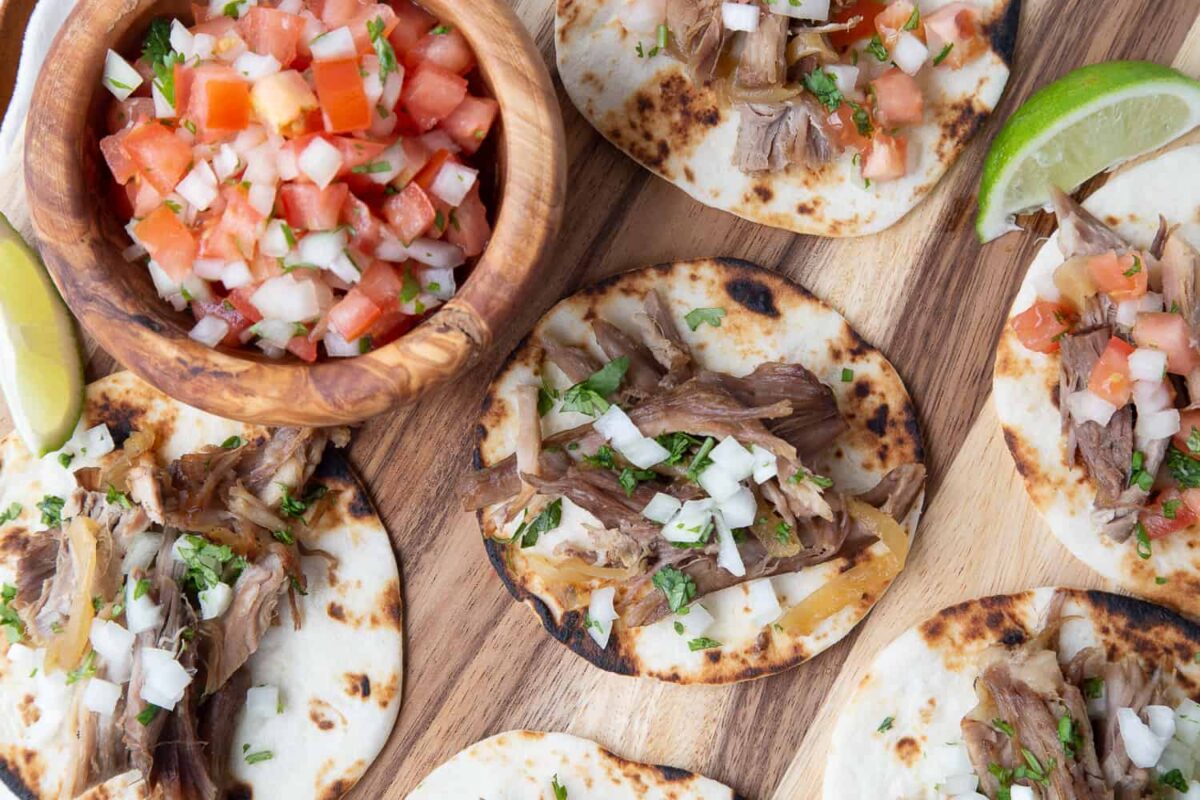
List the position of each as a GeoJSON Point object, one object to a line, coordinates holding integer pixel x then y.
{"type": "Point", "coordinates": [815, 421]}
{"type": "Point", "coordinates": [599, 492]}
{"type": "Point", "coordinates": [661, 336]}
{"type": "Point", "coordinates": [180, 767]}
{"type": "Point", "coordinates": [771, 136]}
{"type": "Point", "coordinates": [1180, 278]}
{"type": "Point", "coordinates": [1126, 685]}
{"type": "Point", "coordinates": [575, 362]}
{"type": "Point", "coordinates": [235, 636]}
{"type": "Point", "coordinates": [1080, 233]}
{"type": "Point", "coordinates": [896, 493]}
{"type": "Point", "coordinates": [45, 584]}
{"type": "Point", "coordinates": [762, 63]}
{"type": "Point", "coordinates": [145, 488]}
{"type": "Point", "coordinates": [643, 376]}
{"type": "Point", "coordinates": [288, 461]}
{"type": "Point", "coordinates": [215, 728]}
{"type": "Point", "coordinates": [819, 148]}
{"type": "Point", "coordinates": [699, 32]}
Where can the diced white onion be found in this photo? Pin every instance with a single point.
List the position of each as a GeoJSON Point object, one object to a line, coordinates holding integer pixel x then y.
{"type": "Point", "coordinates": [255, 67]}
{"type": "Point", "coordinates": [199, 186]}
{"type": "Point", "coordinates": [845, 76]}
{"type": "Point", "coordinates": [1141, 745]}
{"type": "Point", "coordinates": [1161, 720]}
{"type": "Point", "coordinates": [142, 613]}
{"type": "Point", "coordinates": [718, 482]}
{"type": "Point", "coordinates": [337, 43]}
{"type": "Point", "coordinates": [695, 621]}
{"type": "Point", "coordinates": [101, 696]}
{"type": "Point", "coordinates": [1086, 406]}
{"type": "Point", "coordinates": [391, 249]}
{"type": "Point", "coordinates": [728, 557]}
{"type": "Point", "coordinates": [287, 298]}
{"type": "Point", "coordinates": [337, 347]}
{"type": "Point", "coordinates": [737, 460]}
{"type": "Point", "coordinates": [956, 785]}
{"type": "Point", "coordinates": [261, 164]}
{"type": "Point", "coordinates": [215, 600]}
{"type": "Point", "coordinates": [141, 551]}
{"type": "Point", "coordinates": [236, 274]}
{"type": "Point", "coordinates": [276, 332]}
{"type": "Point", "coordinates": [321, 248]}
{"type": "Point", "coordinates": [262, 197]}
{"type": "Point", "coordinates": [285, 163]}
{"type": "Point", "coordinates": [1147, 364]}
{"type": "Point", "coordinates": [616, 426]}
{"type": "Point", "coordinates": [439, 140]}
{"type": "Point", "coordinates": [438, 282]}
{"type": "Point", "coordinates": [740, 17]}
{"type": "Point", "coordinates": [1158, 424]}
{"type": "Point", "coordinates": [166, 679]}
{"type": "Point", "coordinates": [320, 161]}
{"type": "Point", "coordinates": [803, 9]}
{"type": "Point", "coordinates": [225, 163]}
{"type": "Point", "coordinates": [392, 86]}
{"type": "Point", "coordinates": [274, 241]}
{"type": "Point", "coordinates": [182, 40]}
{"type": "Point", "coordinates": [203, 45]}
{"type": "Point", "coordinates": [162, 106]}
{"type": "Point", "coordinates": [643, 453]}
{"type": "Point", "coordinates": [291, 6]}
{"type": "Point", "coordinates": [766, 465]}
{"type": "Point", "coordinates": [395, 160]}
{"type": "Point", "coordinates": [1127, 311]}
{"type": "Point", "coordinates": [642, 16]}
{"type": "Point", "coordinates": [689, 522]}
{"type": "Point", "coordinates": [210, 269]}
{"type": "Point", "coordinates": [1187, 722]}
{"type": "Point", "coordinates": [437, 254]}
{"type": "Point", "coordinates": [910, 53]}
{"type": "Point", "coordinates": [96, 442]}
{"type": "Point", "coordinates": [345, 268]}
{"type": "Point", "coordinates": [1020, 792]}
{"type": "Point", "coordinates": [739, 509]}
{"type": "Point", "coordinates": [114, 643]}
{"type": "Point", "coordinates": [209, 331]}
{"type": "Point", "coordinates": [601, 615]}
{"type": "Point", "coordinates": [1151, 396]}
{"type": "Point", "coordinates": [453, 182]}
{"type": "Point", "coordinates": [120, 77]}
{"type": "Point", "coordinates": [262, 701]}
{"type": "Point", "coordinates": [763, 602]}
{"type": "Point", "coordinates": [1177, 755]}
{"type": "Point", "coordinates": [661, 508]}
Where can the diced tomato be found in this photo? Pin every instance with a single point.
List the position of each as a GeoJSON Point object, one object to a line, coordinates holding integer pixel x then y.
{"type": "Point", "coordinates": [354, 314]}
{"type": "Point", "coordinates": [410, 213]}
{"type": "Point", "coordinates": [368, 229]}
{"type": "Point", "coordinates": [161, 156]}
{"type": "Point", "coordinates": [1110, 375]}
{"type": "Point", "coordinates": [183, 77]}
{"type": "Point", "coordinates": [865, 11]}
{"type": "Point", "coordinates": [311, 208]}
{"type": "Point", "coordinates": [270, 31]}
{"type": "Point", "coordinates": [431, 94]}
{"type": "Point", "coordinates": [899, 16]}
{"type": "Point", "coordinates": [382, 283]}
{"type": "Point", "coordinates": [445, 47]}
{"type": "Point", "coordinates": [391, 326]}
{"type": "Point", "coordinates": [240, 299]}
{"type": "Point", "coordinates": [127, 113]}
{"type": "Point", "coordinates": [844, 129]}
{"type": "Point", "coordinates": [233, 235]}
{"type": "Point", "coordinates": [898, 99]}
{"type": "Point", "coordinates": [1121, 278]}
{"type": "Point", "coordinates": [143, 196]}
{"type": "Point", "coordinates": [120, 164]}
{"type": "Point", "coordinates": [416, 156]}
{"type": "Point", "coordinates": [342, 94]}
{"type": "Point", "coordinates": [955, 26]}
{"type": "Point", "coordinates": [469, 124]}
{"type": "Point", "coordinates": [303, 348]}
{"type": "Point", "coordinates": [168, 241]}
{"type": "Point", "coordinates": [1169, 513]}
{"type": "Point", "coordinates": [370, 14]}
{"type": "Point", "coordinates": [219, 101]}
{"type": "Point", "coordinates": [356, 152]}
{"type": "Point", "coordinates": [226, 311]}
{"type": "Point", "coordinates": [1189, 420]}
{"type": "Point", "coordinates": [433, 166]}
{"type": "Point", "coordinates": [412, 22]}
{"type": "Point", "coordinates": [336, 13]}
{"type": "Point", "coordinates": [469, 228]}
{"type": "Point", "coordinates": [1041, 326]}
{"type": "Point", "coordinates": [886, 158]}
{"type": "Point", "coordinates": [1170, 333]}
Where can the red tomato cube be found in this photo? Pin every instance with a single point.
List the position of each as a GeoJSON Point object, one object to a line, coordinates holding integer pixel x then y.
{"type": "Point", "coordinates": [233, 235]}
{"type": "Point", "coordinates": [161, 156]}
{"type": "Point", "coordinates": [1110, 375]}
{"type": "Point", "coordinates": [445, 47]}
{"type": "Point", "coordinates": [342, 94]}
{"type": "Point", "coordinates": [469, 124]}
{"type": "Point", "coordinates": [954, 30]}
{"type": "Point", "coordinates": [354, 314]}
{"type": "Point", "coordinates": [898, 99]}
{"type": "Point", "coordinates": [1041, 326]}
{"type": "Point", "coordinates": [431, 94]}
{"type": "Point", "coordinates": [310, 208]}
{"type": "Point", "coordinates": [886, 158]}
{"type": "Point", "coordinates": [469, 228]}
{"type": "Point", "coordinates": [410, 213]}
{"type": "Point", "coordinates": [168, 241]}
{"type": "Point", "coordinates": [1122, 278]}
{"type": "Point", "coordinates": [382, 283]}
{"type": "Point", "coordinates": [1170, 333]}
{"type": "Point", "coordinates": [272, 32]}
{"type": "Point", "coordinates": [412, 22]}
{"type": "Point", "coordinates": [120, 164]}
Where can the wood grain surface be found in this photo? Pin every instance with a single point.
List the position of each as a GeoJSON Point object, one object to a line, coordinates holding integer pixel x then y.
{"type": "Point", "coordinates": [924, 292]}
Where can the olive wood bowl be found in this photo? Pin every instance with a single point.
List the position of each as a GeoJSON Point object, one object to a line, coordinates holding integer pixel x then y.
{"type": "Point", "coordinates": [82, 239]}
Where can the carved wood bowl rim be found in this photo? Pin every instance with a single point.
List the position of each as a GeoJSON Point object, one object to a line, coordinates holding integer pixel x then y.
{"type": "Point", "coordinates": [114, 300]}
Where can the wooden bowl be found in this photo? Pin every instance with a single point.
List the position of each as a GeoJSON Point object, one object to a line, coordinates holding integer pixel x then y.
{"type": "Point", "coordinates": [82, 239]}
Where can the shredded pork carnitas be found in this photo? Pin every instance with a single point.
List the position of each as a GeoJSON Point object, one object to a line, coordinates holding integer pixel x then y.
{"type": "Point", "coordinates": [226, 518]}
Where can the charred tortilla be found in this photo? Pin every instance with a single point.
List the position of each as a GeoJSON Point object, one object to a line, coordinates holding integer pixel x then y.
{"type": "Point", "coordinates": [530, 765]}
{"type": "Point", "coordinates": [687, 131]}
{"type": "Point", "coordinates": [936, 707]}
{"type": "Point", "coordinates": [841, 400]}
{"type": "Point", "coordinates": [338, 675]}
{"type": "Point", "coordinates": [1032, 406]}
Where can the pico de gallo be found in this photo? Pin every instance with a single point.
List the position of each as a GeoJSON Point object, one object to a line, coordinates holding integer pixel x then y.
{"type": "Point", "coordinates": [1125, 323]}
{"type": "Point", "coordinates": [301, 173]}
{"type": "Point", "coordinates": [813, 79]}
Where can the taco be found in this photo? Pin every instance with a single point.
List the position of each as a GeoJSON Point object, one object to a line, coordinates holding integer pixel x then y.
{"type": "Point", "coordinates": [530, 765]}
{"type": "Point", "coordinates": [195, 608]}
{"type": "Point", "coordinates": [697, 472]}
{"type": "Point", "coordinates": [1097, 380]}
{"type": "Point", "coordinates": [1054, 694]}
{"type": "Point", "coordinates": [817, 117]}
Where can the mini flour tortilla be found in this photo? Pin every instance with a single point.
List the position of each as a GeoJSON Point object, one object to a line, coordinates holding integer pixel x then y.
{"type": "Point", "coordinates": [1025, 389]}
{"type": "Point", "coordinates": [651, 109]}
{"type": "Point", "coordinates": [924, 681]}
{"type": "Point", "coordinates": [339, 676]}
{"type": "Point", "coordinates": [768, 318]}
{"type": "Point", "coordinates": [523, 765]}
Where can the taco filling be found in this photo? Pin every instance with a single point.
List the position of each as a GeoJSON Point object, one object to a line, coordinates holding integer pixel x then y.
{"type": "Point", "coordinates": [810, 81]}
{"type": "Point", "coordinates": [685, 481]}
{"type": "Point", "coordinates": [1091, 727]}
{"type": "Point", "coordinates": [151, 589]}
{"type": "Point", "coordinates": [1125, 325]}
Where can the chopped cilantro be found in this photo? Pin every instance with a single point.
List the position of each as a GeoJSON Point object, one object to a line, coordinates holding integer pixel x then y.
{"type": "Point", "coordinates": [14, 628]}
{"type": "Point", "coordinates": [148, 714]}
{"type": "Point", "coordinates": [699, 316]}
{"type": "Point", "coordinates": [590, 396]}
{"type": "Point", "coordinates": [876, 48]}
{"type": "Point", "coordinates": [560, 791]}
{"type": "Point", "coordinates": [383, 48]}
{"type": "Point", "coordinates": [12, 512]}
{"type": "Point", "coordinates": [232, 443]}
{"type": "Point", "coordinates": [676, 585]}
{"type": "Point", "coordinates": [86, 669]}
{"type": "Point", "coordinates": [529, 532]}
{"type": "Point", "coordinates": [886, 725]}
{"type": "Point", "coordinates": [51, 508]}
{"type": "Point", "coordinates": [703, 643]}
{"type": "Point", "coordinates": [823, 86]}
{"type": "Point", "coordinates": [940, 57]}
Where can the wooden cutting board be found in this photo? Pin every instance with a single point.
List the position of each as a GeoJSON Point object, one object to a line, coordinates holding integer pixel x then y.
{"type": "Point", "coordinates": [925, 292]}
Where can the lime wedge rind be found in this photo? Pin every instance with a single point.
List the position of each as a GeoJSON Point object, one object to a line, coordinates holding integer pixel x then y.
{"type": "Point", "coordinates": [1091, 120]}
{"type": "Point", "coordinates": [41, 363]}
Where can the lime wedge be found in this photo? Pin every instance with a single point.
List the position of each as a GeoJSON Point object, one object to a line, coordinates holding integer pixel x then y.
{"type": "Point", "coordinates": [1082, 124]}
{"type": "Point", "coordinates": [41, 371]}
